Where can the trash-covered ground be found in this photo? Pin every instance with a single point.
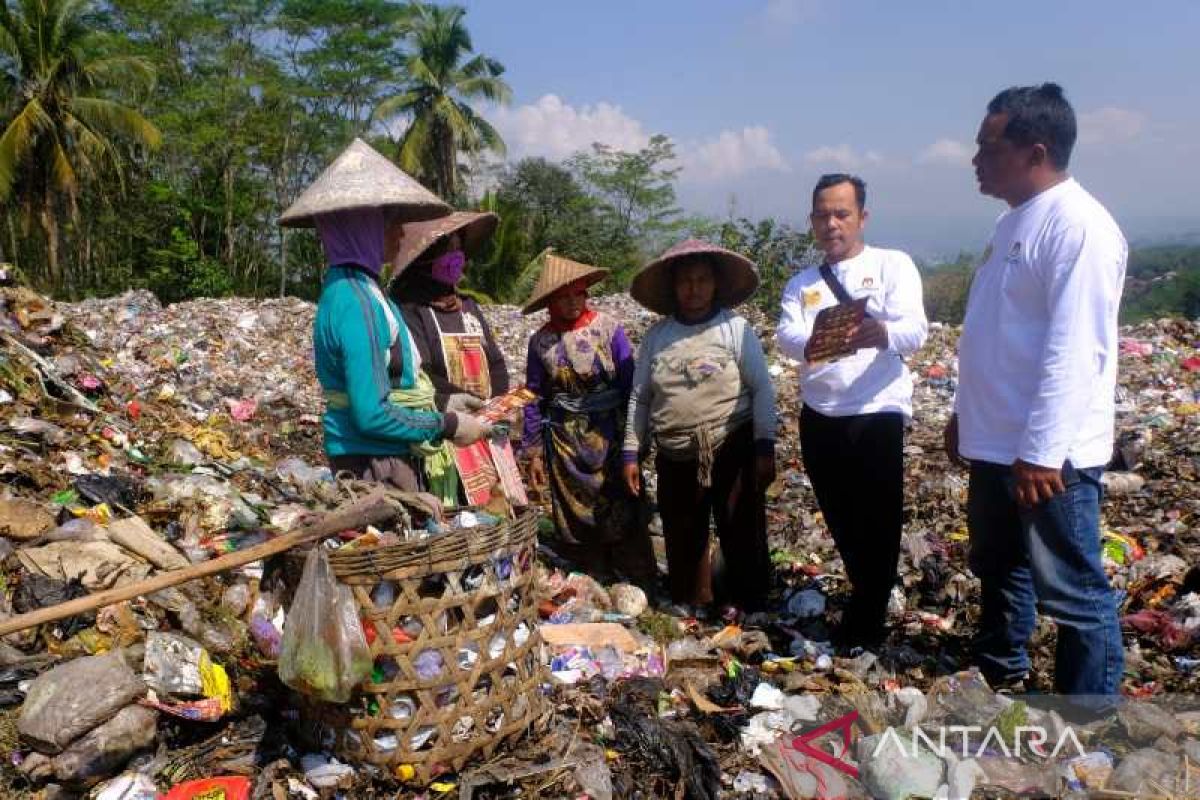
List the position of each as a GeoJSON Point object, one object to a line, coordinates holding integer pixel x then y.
{"type": "Point", "coordinates": [136, 439]}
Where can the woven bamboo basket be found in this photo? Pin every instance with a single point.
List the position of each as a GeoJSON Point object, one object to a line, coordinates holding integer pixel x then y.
{"type": "Point", "coordinates": [458, 666]}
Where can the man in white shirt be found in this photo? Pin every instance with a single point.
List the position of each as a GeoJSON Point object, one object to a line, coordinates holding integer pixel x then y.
{"type": "Point", "coordinates": [1035, 403]}
{"type": "Point", "coordinates": [855, 408]}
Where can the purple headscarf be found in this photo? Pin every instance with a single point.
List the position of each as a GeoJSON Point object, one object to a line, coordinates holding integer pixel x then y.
{"type": "Point", "coordinates": [354, 236]}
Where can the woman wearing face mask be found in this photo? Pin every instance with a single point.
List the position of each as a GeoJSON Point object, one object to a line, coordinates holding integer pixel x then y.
{"type": "Point", "coordinates": [580, 365]}
{"type": "Point", "coordinates": [363, 350]}
{"type": "Point", "coordinates": [457, 348]}
{"type": "Point", "coordinates": [458, 352]}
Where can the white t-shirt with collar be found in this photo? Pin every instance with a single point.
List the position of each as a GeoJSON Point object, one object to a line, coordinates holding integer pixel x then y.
{"type": "Point", "coordinates": [872, 380]}
{"type": "Point", "coordinates": [1038, 352]}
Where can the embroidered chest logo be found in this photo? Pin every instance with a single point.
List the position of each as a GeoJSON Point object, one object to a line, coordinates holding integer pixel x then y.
{"type": "Point", "coordinates": [811, 297]}
{"type": "Point", "coordinates": [1014, 253]}
{"type": "Point", "coordinates": [868, 282]}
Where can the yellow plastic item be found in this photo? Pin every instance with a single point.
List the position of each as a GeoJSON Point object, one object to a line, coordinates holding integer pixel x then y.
{"type": "Point", "coordinates": [214, 682]}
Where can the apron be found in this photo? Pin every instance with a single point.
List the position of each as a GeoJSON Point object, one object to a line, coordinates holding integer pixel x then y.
{"type": "Point", "coordinates": [466, 363]}
{"type": "Point", "coordinates": [486, 463]}
{"type": "Point", "coordinates": [701, 383]}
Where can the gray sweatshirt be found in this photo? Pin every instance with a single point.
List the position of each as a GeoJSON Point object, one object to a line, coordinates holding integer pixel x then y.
{"type": "Point", "coordinates": [711, 375]}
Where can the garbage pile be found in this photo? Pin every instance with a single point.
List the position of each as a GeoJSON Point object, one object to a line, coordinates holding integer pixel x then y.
{"type": "Point", "coordinates": [137, 439]}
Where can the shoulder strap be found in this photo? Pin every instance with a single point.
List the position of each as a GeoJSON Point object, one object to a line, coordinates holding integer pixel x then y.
{"type": "Point", "coordinates": [834, 284]}
{"type": "Point", "coordinates": [839, 291]}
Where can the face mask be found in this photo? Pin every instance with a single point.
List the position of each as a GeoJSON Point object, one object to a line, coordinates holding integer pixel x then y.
{"type": "Point", "coordinates": [448, 267]}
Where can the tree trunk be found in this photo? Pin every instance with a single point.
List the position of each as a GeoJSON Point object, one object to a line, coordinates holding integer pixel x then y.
{"type": "Point", "coordinates": [283, 261]}
{"type": "Point", "coordinates": [449, 159]}
{"type": "Point", "coordinates": [281, 184]}
{"type": "Point", "coordinates": [13, 252]}
{"type": "Point", "coordinates": [227, 180]}
{"type": "Point", "coordinates": [50, 228]}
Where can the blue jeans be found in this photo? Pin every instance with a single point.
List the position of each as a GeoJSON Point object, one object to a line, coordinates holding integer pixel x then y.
{"type": "Point", "coordinates": [1052, 553]}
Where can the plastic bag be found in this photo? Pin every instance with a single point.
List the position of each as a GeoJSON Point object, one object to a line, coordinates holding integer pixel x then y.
{"type": "Point", "coordinates": [172, 664]}
{"type": "Point", "coordinates": [325, 653]}
{"type": "Point", "coordinates": [233, 788]}
{"type": "Point", "coordinates": [75, 697]}
{"type": "Point", "coordinates": [105, 748]}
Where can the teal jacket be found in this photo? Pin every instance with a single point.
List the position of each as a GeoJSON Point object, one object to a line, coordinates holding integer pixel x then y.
{"type": "Point", "coordinates": [350, 346]}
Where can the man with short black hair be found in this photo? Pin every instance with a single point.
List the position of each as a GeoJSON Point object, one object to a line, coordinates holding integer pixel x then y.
{"type": "Point", "coordinates": [1035, 403]}
{"type": "Point", "coordinates": [855, 408]}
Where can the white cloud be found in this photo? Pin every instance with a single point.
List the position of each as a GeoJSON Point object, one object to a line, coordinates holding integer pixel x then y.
{"type": "Point", "coordinates": [947, 153]}
{"type": "Point", "coordinates": [556, 130]}
{"type": "Point", "coordinates": [1110, 125]}
{"type": "Point", "coordinates": [779, 15]}
{"type": "Point", "coordinates": [731, 154]}
{"type": "Point", "coordinates": [842, 156]}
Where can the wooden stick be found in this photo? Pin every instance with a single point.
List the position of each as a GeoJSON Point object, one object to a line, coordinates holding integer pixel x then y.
{"type": "Point", "coordinates": [377, 508]}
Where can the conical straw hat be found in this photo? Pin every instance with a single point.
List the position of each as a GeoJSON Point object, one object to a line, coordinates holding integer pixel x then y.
{"type": "Point", "coordinates": [654, 285]}
{"type": "Point", "coordinates": [558, 272]}
{"type": "Point", "coordinates": [474, 227]}
{"type": "Point", "coordinates": [361, 177]}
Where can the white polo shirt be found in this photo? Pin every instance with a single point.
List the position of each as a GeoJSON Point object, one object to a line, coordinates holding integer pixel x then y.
{"type": "Point", "coordinates": [1038, 352]}
{"type": "Point", "coordinates": [872, 380]}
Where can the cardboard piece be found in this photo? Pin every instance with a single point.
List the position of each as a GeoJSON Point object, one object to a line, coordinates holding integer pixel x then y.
{"type": "Point", "coordinates": [137, 537]}
{"type": "Point", "coordinates": [589, 634]}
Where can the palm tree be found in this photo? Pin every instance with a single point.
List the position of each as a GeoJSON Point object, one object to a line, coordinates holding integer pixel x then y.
{"type": "Point", "coordinates": [60, 124]}
{"type": "Point", "coordinates": [439, 84]}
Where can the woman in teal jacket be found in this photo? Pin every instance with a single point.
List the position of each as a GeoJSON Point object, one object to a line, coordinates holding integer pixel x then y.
{"type": "Point", "coordinates": [362, 349]}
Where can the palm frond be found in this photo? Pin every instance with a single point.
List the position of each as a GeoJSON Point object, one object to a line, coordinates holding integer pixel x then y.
{"type": "Point", "coordinates": [414, 146]}
{"type": "Point", "coordinates": [110, 117]}
{"type": "Point", "coordinates": [66, 30]}
{"type": "Point", "coordinates": [489, 137]}
{"type": "Point", "coordinates": [62, 170]}
{"type": "Point", "coordinates": [18, 140]}
{"type": "Point", "coordinates": [122, 71]}
{"type": "Point", "coordinates": [488, 88]}
{"type": "Point", "coordinates": [403, 103]}
{"type": "Point", "coordinates": [21, 34]}
{"type": "Point", "coordinates": [91, 149]}
{"type": "Point", "coordinates": [8, 41]}
{"type": "Point", "coordinates": [421, 74]}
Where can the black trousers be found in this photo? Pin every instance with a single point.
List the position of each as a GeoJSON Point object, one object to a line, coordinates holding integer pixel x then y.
{"type": "Point", "coordinates": [856, 465]}
{"type": "Point", "coordinates": [737, 504]}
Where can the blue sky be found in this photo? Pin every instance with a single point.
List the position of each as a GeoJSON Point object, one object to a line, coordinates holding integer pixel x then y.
{"type": "Point", "coordinates": [762, 96]}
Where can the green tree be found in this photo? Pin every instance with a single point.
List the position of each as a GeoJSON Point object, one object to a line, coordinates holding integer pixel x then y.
{"type": "Point", "coordinates": [636, 193]}
{"type": "Point", "coordinates": [443, 77]}
{"type": "Point", "coordinates": [64, 123]}
{"type": "Point", "coordinates": [946, 288]}
{"type": "Point", "coordinates": [776, 248]}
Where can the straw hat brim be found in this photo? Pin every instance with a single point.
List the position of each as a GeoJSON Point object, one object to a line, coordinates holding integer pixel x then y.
{"type": "Point", "coordinates": [475, 229]}
{"type": "Point", "coordinates": [361, 177]}
{"type": "Point", "coordinates": [558, 272]}
{"type": "Point", "coordinates": [654, 284]}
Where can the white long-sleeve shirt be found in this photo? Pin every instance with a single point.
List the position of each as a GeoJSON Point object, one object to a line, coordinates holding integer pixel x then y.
{"type": "Point", "coordinates": [1038, 352]}
{"type": "Point", "coordinates": [871, 380]}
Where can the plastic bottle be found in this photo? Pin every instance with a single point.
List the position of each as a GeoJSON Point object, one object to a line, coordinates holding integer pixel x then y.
{"type": "Point", "coordinates": [428, 664]}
